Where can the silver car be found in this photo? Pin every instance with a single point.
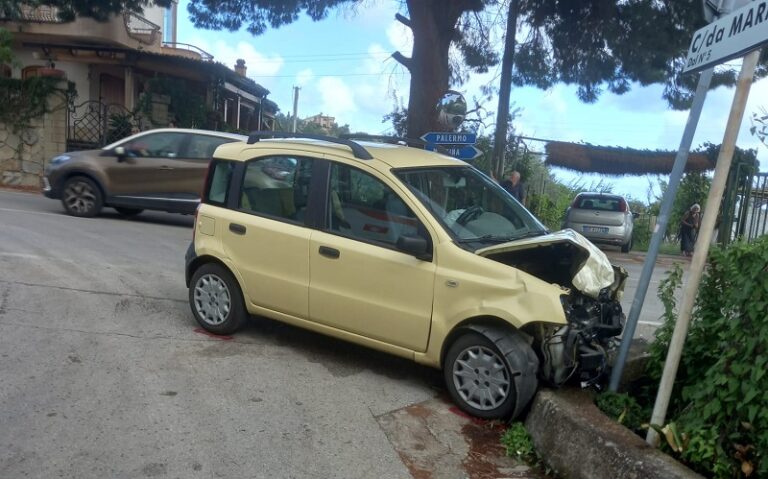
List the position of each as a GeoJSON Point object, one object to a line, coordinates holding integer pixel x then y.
{"type": "Point", "coordinates": [602, 218]}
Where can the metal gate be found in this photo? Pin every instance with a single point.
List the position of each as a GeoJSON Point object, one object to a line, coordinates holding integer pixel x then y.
{"type": "Point", "coordinates": [745, 206]}
{"type": "Point", "coordinates": [93, 124]}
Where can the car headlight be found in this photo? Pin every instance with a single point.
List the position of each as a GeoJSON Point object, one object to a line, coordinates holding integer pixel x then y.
{"type": "Point", "coordinates": [60, 159]}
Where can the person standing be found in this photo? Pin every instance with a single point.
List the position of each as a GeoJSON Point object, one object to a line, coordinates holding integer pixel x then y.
{"type": "Point", "coordinates": [689, 227]}
{"type": "Point", "coordinates": [514, 186]}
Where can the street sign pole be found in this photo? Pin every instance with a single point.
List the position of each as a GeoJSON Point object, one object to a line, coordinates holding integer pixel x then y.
{"type": "Point", "coordinates": [705, 79]}
{"type": "Point", "coordinates": [703, 242]}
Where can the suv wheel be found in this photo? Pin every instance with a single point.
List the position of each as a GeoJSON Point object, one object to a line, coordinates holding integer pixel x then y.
{"type": "Point", "coordinates": [81, 197]}
{"type": "Point", "coordinates": [626, 247]}
{"type": "Point", "coordinates": [491, 375]}
{"type": "Point", "coordinates": [216, 299]}
{"type": "Point", "coordinates": [128, 211]}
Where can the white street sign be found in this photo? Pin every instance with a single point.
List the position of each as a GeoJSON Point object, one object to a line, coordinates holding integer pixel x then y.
{"type": "Point", "coordinates": [729, 37]}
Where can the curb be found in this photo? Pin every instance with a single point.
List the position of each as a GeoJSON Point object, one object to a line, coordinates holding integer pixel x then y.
{"type": "Point", "coordinates": [578, 441]}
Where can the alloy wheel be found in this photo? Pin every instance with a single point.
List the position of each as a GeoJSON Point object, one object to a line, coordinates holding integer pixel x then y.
{"type": "Point", "coordinates": [212, 299]}
{"type": "Point", "coordinates": [481, 378]}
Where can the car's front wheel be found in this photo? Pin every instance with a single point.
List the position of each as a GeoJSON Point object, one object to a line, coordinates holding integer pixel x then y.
{"type": "Point", "coordinates": [216, 299]}
{"type": "Point", "coordinates": [81, 197]}
{"type": "Point", "coordinates": [491, 372]}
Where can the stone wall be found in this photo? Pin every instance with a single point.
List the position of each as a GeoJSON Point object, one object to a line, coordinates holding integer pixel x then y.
{"type": "Point", "coordinates": [24, 154]}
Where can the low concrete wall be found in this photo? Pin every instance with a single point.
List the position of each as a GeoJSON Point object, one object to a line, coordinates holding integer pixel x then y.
{"type": "Point", "coordinates": [24, 154]}
{"type": "Point", "coordinates": [578, 441]}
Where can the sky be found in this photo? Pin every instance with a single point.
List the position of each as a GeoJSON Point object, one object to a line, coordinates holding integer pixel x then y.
{"type": "Point", "coordinates": [343, 68]}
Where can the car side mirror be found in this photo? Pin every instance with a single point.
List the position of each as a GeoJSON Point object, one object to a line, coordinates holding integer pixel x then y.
{"type": "Point", "coordinates": [415, 246]}
{"type": "Point", "coordinates": [120, 153]}
{"type": "Point", "coordinates": [635, 215]}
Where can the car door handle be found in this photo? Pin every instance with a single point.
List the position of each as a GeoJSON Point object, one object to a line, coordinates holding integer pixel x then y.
{"type": "Point", "coordinates": [166, 167]}
{"type": "Point", "coordinates": [237, 229]}
{"type": "Point", "coordinates": [329, 252]}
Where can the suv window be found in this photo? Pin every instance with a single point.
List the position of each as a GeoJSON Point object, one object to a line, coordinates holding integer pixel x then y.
{"type": "Point", "coordinates": [277, 186]}
{"type": "Point", "coordinates": [364, 208]}
{"type": "Point", "coordinates": [219, 177]}
{"type": "Point", "coordinates": [203, 146]}
{"type": "Point", "coordinates": [157, 145]}
{"type": "Point", "coordinates": [602, 203]}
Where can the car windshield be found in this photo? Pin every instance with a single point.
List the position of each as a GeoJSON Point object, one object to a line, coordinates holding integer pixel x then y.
{"type": "Point", "coordinates": [471, 207]}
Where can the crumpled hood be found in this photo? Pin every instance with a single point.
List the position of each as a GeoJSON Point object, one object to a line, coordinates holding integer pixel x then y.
{"type": "Point", "coordinates": [593, 270]}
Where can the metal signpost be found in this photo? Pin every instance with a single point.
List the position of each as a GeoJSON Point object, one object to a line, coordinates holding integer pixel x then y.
{"type": "Point", "coordinates": [732, 35]}
{"type": "Point", "coordinates": [729, 36]}
{"type": "Point", "coordinates": [458, 145]}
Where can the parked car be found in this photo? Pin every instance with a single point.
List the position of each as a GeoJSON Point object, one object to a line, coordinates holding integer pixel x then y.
{"type": "Point", "coordinates": [602, 218]}
{"type": "Point", "coordinates": [405, 251]}
{"type": "Point", "coordinates": [159, 169]}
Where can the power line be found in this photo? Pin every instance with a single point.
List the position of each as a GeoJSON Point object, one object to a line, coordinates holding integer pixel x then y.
{"type": "Point", "coordinates": [315, 75]}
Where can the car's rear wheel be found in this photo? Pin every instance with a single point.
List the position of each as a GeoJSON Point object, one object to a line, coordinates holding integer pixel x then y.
{"type": "Point", "coordinates": [81, 197]}
{"type": "Point", "coordinates": [128, 211]}
{"type": "Point", "coordinates": [626, 247]}
{"type": "Point", "coordinates": [491, 372]}
{"type": "Point", "coordinates": [216, 299]}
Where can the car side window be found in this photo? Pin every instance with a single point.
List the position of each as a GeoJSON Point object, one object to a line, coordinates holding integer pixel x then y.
{"type": "Point", "coordinates": [203, 146]}
{"type": "Point", "coordinates": [362, 207]}
{"type": "Point", "coordinates": [156, 145]}
{"type": "Point", "coordinates": [219, 177]}
{"type": "Point", "coordinates": [277, 186]}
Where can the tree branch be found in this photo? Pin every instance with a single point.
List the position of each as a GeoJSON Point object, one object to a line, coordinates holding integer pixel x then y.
{"type": "Point", "coordinates": [403, 60]}
{"type": "Point", "coordinates": [404, 20]}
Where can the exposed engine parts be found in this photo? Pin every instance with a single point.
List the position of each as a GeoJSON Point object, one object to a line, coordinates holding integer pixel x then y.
{"type": "Point", "coordinates": [580, 350]}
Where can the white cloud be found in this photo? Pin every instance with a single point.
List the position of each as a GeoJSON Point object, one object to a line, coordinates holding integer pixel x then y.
{"type": "Point", "coordinates": [258, 64]}
{"type": "Point", "coordinates": [337, 98]}
{"type": "Point", "coordinates": [304, 77]}
{"type": "Point", "coordinates": [400, 37]}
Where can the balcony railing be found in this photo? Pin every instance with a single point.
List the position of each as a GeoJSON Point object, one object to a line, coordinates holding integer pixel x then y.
{"type": "Point", "coordinates": [205, 56]}
{"type": "Point", "coordinates": [141, 29]}
{"type": "Point", "coordinates": [27, 13]}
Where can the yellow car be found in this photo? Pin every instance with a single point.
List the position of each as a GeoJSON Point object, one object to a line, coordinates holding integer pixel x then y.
{"type": "Point", "coordinates": [406, 251]}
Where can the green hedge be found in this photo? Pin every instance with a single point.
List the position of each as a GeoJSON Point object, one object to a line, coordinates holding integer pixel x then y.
{"type": "Point", "coordinates": [720, 400]}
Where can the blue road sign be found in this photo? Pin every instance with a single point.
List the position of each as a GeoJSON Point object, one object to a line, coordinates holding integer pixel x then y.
{"type": "Point", "coordinates": [467, 153]}
{"type": "Point", "coordinates": [448, 138]}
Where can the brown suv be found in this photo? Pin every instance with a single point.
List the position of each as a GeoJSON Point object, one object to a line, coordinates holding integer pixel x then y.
{"type": "Point", "coordinates": [159, 169]}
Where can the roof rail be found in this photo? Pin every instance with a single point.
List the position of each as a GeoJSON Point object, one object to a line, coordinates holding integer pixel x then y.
{"type": "Point", "coordinates": [357, 150]}
{"type": "Point", "coordinates": [394, 140]}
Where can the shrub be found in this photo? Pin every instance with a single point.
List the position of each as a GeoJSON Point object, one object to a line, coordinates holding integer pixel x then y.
{"type": "Point", "coordinates": [519, 444]}
{"type": "Point", "coordinates": [623, 408]}
{"type": "Point", "coordinates": [721, 395]}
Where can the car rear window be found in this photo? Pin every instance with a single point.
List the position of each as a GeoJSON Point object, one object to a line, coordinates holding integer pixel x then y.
{"type": "Point", "coordinates": [601, 203]}
{"type": "Point", "coordinates": [217, 186]}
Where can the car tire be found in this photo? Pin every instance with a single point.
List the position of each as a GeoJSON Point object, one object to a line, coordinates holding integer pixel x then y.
{"type": "Point", "coordinates": [216, 299]}
{"type": "Point", "coordinates": [626, 247]}
{"type": "Point", "coordinates": [128, 211]}
{"type": "Point", "coordinates": [81, 197]}
{"type": "Point", "coordinates": [486, 356]}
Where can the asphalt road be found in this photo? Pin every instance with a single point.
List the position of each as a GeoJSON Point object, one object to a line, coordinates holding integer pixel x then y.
{"type": "Point", "coordinates": [105, 373]}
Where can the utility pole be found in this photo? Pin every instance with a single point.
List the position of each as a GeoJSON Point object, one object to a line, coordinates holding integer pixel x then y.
{"type": "Point", "coordinates": [505, 87]}
{"type": "Point", "coordinates": [295, 106]}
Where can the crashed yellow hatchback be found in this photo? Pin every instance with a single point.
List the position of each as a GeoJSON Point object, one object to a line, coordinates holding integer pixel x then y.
{"type": "Point", "coordinates": [406, 251]}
